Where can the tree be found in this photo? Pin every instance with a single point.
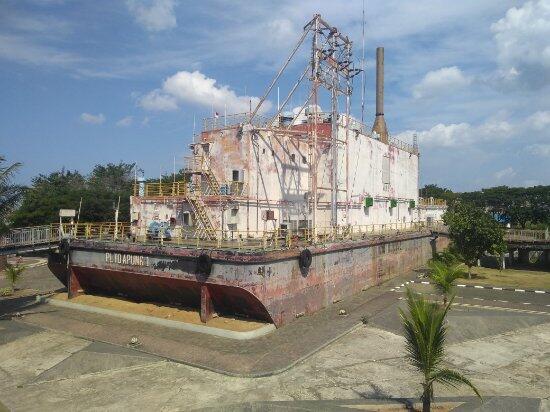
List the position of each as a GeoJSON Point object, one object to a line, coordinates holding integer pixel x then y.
{"type": "Point", "coordinates": [10, 194]}
{"type": "Point", "coordinates": [473, 232]}
{"type": "Point", "coordinates": [443, 277]}
{"type": "Point", "coordinates": [13, 273]}
{"type": "Point", "coordinates": [438, 192]}
{"type": "Point", "coordinates": [48, 194]}
{"type": "Point", "coordinates": [519, 206]}
{"type": "Point", "coordinates": [425, 334]}
{"type": "Point", "coordinates": [63, 190]}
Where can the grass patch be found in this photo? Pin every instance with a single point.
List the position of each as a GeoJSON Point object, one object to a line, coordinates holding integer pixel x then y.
{"type": "Point", "coordinates": [514, 278]}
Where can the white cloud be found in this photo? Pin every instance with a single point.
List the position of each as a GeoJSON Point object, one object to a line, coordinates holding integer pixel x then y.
{"type": "Point", "coordinates": [21, 50]}
{"type": "Point", "coordinates": [461, 134]}
{"type": "Point", "coordinates": [441, 81]}
{"type": "Point", "coordinates": [154, 15]}
{"type": "Point", "coordinates": [539, 120]}
{"type": "Point", "coordinates": [92, 118]}
{"type": "Point", "coordinates": [196, 89]}
{"type": "Point", "coordinates": [508, 172]}
{"type": "Point", "coordinates": [158, 101]}
{"type": "Point", "coordinates": [125, 121]}
{"type": "Point", "coordinates": [539, 149]}
{"type": "Point", "coordinates": [522, 41]}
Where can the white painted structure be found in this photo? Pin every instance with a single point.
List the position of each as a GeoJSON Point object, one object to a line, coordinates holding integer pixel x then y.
{"type": "Point", "coordinates": [265, 181]}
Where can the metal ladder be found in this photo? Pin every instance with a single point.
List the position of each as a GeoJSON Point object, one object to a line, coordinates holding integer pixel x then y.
{"type": "Point", "coordinates": [212, 182]}
{"type": "Point", "coordinates": [206, 229]}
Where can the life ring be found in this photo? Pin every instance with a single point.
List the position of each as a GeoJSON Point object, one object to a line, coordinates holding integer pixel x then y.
{"type": "Point", "coordinates": [204, 264]}
{"type": "Point", "coordinates": [305, 258]}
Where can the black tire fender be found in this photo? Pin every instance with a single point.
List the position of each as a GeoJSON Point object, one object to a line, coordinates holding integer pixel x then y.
{"type": "Point", "coordinates": [204, 264]}
{"type": "Point", "coordinates": [305, 258]}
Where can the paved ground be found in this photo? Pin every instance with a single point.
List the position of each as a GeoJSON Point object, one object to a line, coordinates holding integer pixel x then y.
{"type": "Point", "coordinates": [504, 347]}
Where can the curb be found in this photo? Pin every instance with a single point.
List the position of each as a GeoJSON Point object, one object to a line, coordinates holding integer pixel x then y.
{"type": "Point", "coordinates": [424, 282]}
{"type": "Point", "coordinates": [223, 333]}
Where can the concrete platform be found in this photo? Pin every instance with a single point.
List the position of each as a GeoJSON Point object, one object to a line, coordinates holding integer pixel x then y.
{"type": "Point", "coordinates": [261, 356]}
{"type": "Point", "coordinates": [505, 354]}
{"type": "Point", "coordinates": [170, 317]}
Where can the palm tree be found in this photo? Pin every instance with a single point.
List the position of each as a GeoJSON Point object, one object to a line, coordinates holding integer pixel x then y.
{"type": "Point", "coordinates": [443, 277]}
{"type": "Point", "coordinates": [10, 194]}
{"type": "Point", "coordinates": [425, 332]}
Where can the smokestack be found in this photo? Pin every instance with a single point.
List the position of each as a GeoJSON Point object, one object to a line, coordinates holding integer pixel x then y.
{"type": "Point", "coordinates": [379, 122]}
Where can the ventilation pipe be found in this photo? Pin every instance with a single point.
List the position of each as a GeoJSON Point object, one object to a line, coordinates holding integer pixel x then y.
{"type": "Point", "coordinates": [379, 126]}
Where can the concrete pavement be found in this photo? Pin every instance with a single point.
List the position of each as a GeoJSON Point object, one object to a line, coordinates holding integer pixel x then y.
{"type": "Point", "coordinates": [506, 354]}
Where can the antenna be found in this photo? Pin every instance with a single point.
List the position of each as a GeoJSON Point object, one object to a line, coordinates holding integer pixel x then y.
{"type": "Point", "coordinates": [363, 67]}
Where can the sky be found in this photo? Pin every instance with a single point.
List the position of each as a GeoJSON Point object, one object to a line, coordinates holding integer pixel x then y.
{"type": "Point", "coordinates": [87, 82]}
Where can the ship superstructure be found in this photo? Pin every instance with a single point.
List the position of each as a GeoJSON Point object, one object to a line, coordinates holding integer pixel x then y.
{"type": "Point", "coordinates": [303, 171]}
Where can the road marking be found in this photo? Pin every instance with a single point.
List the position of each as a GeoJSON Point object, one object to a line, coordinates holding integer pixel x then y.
{"type": "Point", "coordinates": [526, 303]}
{"type": "Point", "coordinates": [497, 288]}
{"type": "Point", "coordinates": [501, 308]}
{"type": "Point", "coordinates": [503, 301]}
{"type": "Point", "coordinates": [519, 290]}
{"type": "Point", "coordinates": [479, 287]}
{"type": "Point", "coordinates": [478, 299]}
{"type": "Point", "coordinates": [540, 291]}
{"type": "Point", "coordinates": [461, 286]}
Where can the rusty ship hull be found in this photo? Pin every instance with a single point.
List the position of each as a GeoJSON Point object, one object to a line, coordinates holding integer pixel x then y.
{"type": "Point", "coordinates": [270, 285]}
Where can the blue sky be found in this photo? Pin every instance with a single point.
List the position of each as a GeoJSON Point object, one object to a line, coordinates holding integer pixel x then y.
{"type": "Point", "coordinates": [105, 81]}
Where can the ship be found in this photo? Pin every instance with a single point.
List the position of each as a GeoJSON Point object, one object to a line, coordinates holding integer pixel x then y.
{"type": "Point", "coordinates": [279, 213]}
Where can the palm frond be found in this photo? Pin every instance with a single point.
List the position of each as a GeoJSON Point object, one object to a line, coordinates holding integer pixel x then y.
{"type": "Point", "coordinates": [453, 379]}
{"type": "Point", "coordinates": [425, 332]}
{"type": "Point", "coordinates": [444, 276]}
{"type": "Point", "coordinates": [6, 173]}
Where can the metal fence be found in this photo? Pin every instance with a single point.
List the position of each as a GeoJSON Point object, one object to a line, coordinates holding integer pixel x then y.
{"type": "Point", "coordinates": [28, 236]}
{"type": "Point", "coordinates": [523, 235]}
{"type": "Point", "coordinates": [431, 201]}
{"type": "Point", "coordinates": [221, 122]}
{"type": "Point", "coordinates": [250, 240]}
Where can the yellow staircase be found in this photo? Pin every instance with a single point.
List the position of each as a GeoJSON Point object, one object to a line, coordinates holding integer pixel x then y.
{"type": "Point", "coordinates": [205, 229]}
{"type": "Point", "coordinates": [212, 182]}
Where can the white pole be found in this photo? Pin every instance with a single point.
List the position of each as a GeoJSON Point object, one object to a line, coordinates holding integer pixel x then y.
{"type": "Point", "coordinates": [193, 128]}
{"type": "Point", "coordinates": [278, 105]}
{"type": "Point", "coordinates": [363, 67]}
{"type": "Point", "coordinates": [116, 220]}
{"type": "Point", "coordinates": [174, 171]}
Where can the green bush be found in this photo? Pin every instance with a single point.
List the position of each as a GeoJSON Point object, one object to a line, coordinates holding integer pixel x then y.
{"type": "Point", "coordinates": [13, 273]}
{"type": "Point", "coordinates": [6, 291]}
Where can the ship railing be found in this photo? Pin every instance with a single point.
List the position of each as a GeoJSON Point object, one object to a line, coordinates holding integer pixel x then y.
{"type": "Point", "coordinates": [276, 239]}
{"type": "Point", "coordinates": [285, 238]}
{"type": "Point", "coordinates": [197, 163]}
{"type": "Point", "coordinates": [229, 120]}
{"type": "Point", "coordinates": [97, 231]}
{"type": "Point", "coordinates": [182, 188]}
{"type": "Point", "coordinates": [407, 147]}
{"type": "Point", "coordinates": [431, 201]}
{"type": "Point", "coordinates": [159, 189]}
